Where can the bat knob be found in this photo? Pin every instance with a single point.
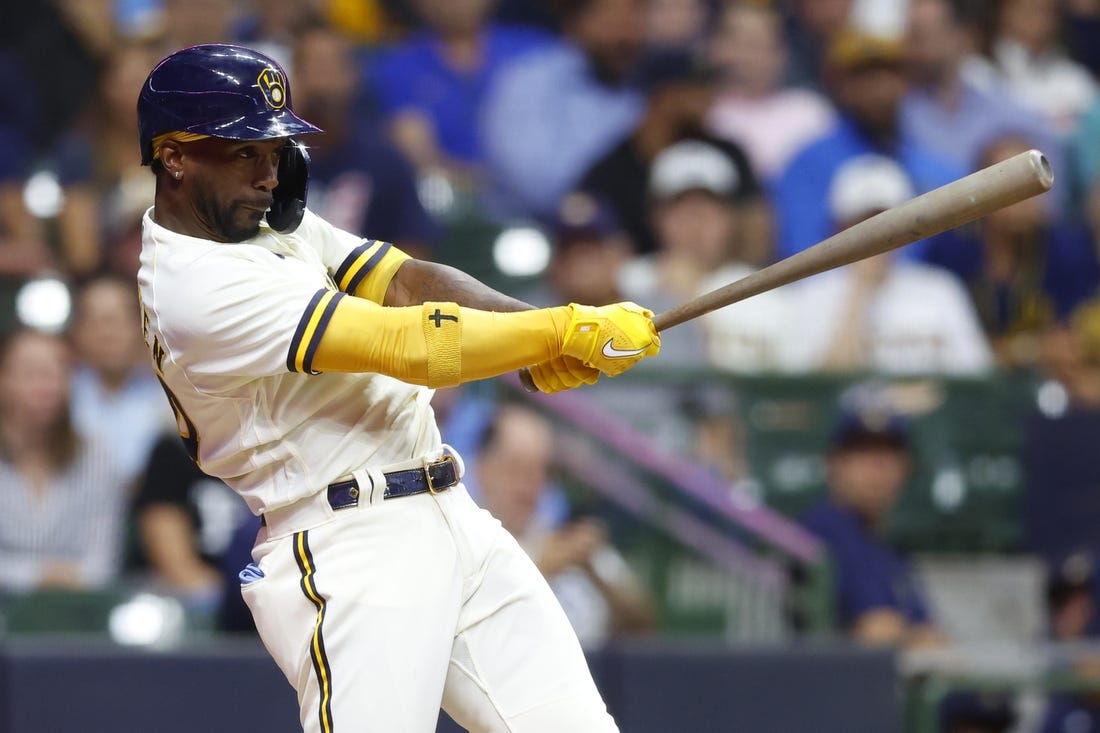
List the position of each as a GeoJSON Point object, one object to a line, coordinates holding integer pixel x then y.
{"type": "Point", "coordinates": [527, 382]}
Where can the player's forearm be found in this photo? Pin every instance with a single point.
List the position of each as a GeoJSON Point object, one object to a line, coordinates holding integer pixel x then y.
{"type": "Point", "coordinates": [437, 344]}
{"type": "Point", "coordinates": [418, 281]}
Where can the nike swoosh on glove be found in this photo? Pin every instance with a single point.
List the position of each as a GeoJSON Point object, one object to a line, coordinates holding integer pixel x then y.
{"type": "Point", "coordinates": [610, 338]}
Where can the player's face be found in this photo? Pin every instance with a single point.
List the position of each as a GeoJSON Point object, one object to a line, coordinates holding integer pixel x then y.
{"type": "Point", "coordinates": [230, 184]}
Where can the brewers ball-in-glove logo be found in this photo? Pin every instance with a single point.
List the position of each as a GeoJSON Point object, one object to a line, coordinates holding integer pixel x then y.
{"type": "Point", "coordinates": [273, 86]}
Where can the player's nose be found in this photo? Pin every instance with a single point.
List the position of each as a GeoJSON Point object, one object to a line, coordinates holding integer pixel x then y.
{"type": "Point", "coordinates": [267, 173]}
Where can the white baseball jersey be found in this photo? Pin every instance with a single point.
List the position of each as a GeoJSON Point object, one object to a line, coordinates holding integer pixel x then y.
{"type": "Point", "coordinates": [233, 329]}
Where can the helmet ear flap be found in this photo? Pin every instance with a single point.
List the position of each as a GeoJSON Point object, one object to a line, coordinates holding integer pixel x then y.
{"type": "Point", "coordinates": [289, 204]}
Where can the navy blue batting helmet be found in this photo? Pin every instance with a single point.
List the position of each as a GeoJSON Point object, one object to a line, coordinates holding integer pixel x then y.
{"type": "Point", "coordinates": [219, 90]}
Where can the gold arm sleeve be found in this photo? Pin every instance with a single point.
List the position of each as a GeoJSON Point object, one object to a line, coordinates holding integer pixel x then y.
{"type": "Point", "coordinates": [436, 344]}
{"type": "Point", "coordinates": [368, 270]}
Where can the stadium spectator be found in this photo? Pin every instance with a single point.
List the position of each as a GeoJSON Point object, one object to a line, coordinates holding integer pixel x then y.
{"type": "Point", "coordinates": [270, 26]}
{"type": "Point", "coordinates": [754, 108]}
{"type": "Point", "coordinates": [554, 112]}
{"type": "Point", "coordinates": [105, 188]}
{"type": "Point", "coordinates": [357, 180]}
{"type": "Point", "coordinates": [1080, 29]}
{"type": "Point", "coordinates": [1022, 53]}
{"type": "Point", "coordinates": [114, 391]}
{"type": "Point", "coordinates": [811, 26]}
{"type": "Point", "coordinates": [366, 21]}
{"type": "Point", "coordinates": [878, 598]}
{"type": "Point", "coordinates": [677, 24]}
{"type": "Point", "coordinates": [693, 190]}
{"type": "Point", "coordinates": [1070, 354]}
{"type": "Point", "coordinates": [62, 495]}
{"type": "Point", "coordinates": [1026, 270]}
{"type": "Point", "coordinates": [600, 594]}
{"type": "Point", "coordinates": [1071, 607]}
{"type": "Point", "coordinates": [1084, 175]}
{"type": "Point", "coordinates": [432, 85]}
{"type": "Point", "coordinates": [57, 47]}
{"type": "Point", "coordinates": [589, 246]}
{"type": "Point", "coordinates": [23, 248]}
{"type": "Point", "coordinates": [941, 98]}
{"type": "Point", "coordinates": [190, 22]}
{"type": "Point", "coordinates": [717, 435]}
{"type": "Point", "coordinates": [884, 313]}
{"type": "Point", "coordinates": [864, 76]}
{"type": "Point", "coordinates": [680, 89]}
{"type": "Point", "coordinates": [185, 522]}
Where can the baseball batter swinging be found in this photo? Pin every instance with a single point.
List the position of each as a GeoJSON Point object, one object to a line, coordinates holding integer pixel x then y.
{"type": "Point", "coordinates": [300, 360]}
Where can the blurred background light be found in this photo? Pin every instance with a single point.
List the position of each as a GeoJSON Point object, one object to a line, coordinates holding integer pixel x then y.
{"type": "Point", "coordinates": [42, 195]}
{"type": "Point", "coordinates": [521, 252]}
{"type": "Point", "coordinates": [44, 303]}
{"type": "Point", "coordinates": [147, 620]}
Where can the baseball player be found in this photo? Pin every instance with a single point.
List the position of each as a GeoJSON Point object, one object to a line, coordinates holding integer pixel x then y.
{"type": "Point", "coordinates": [300, 360]}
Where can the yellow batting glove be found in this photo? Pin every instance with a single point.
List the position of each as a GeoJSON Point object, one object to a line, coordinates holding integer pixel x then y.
{"type": "Point", "coordinates": [562, 373]}
{"type": "Point", "coordinates": [611, 338]}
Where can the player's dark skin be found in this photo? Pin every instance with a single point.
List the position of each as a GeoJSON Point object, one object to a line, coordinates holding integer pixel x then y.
{"type": "Point", "coordinates": [224, 187]}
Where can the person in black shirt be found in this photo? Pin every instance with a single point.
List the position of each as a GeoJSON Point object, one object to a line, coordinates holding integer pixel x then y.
{"type": "Point", "coordinates": [680, 92]}
{"type": "Point", "coordinates": [185, 521]}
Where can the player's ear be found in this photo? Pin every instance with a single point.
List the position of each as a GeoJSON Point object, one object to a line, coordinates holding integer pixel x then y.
{"type": "Point", "coordinates": [171, 159]}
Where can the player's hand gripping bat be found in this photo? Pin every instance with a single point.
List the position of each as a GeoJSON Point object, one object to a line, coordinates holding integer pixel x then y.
{"type": "Point", "coordinates": [951, 205]}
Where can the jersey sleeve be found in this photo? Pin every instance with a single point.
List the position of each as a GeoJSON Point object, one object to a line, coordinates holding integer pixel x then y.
{"type": "Point", "coordinates": [358, 266]}
{"type": "Point", "coordinates": [243, 313]}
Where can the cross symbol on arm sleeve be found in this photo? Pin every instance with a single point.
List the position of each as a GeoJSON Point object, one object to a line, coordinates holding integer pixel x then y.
{"type": "Point", "coordinates": [438, 317]}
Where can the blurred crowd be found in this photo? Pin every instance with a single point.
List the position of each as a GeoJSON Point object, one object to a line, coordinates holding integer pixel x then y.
{"type": "Point", "coordinates": [662, 148]}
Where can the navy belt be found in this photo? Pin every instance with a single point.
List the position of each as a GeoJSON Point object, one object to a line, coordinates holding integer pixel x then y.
{"type": "Point", "coordinates": [433, 478]}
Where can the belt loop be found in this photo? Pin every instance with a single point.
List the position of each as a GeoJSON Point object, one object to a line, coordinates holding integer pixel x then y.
{"type": "Point", "coordinates": [372, 485]}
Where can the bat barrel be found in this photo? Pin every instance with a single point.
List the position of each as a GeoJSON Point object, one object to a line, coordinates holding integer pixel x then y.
{"type": "Point", "coordinates": [951, 205]}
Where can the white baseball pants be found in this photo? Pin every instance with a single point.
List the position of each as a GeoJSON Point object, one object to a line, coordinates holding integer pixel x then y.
{"type": "Point", "coordinates": [380, 614]}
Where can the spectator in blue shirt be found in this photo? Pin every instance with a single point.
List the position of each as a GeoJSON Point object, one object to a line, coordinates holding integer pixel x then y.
{"type": "Point", "coordinates": [864, 75]}
{"type": "Point", "coordinates": [554, 112]}
{"type": "Point", "coordinates": [941, 98]}
{"type": "Point", "coordinates": [431, 86]}
{"type": "Point", "coordinates": [878, 597]}
{"type": "Point", "coordinates": [358, 180]}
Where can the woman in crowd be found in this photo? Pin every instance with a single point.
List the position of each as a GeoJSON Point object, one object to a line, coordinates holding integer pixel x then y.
{"type": "Point", "coordinates": [61, 496]}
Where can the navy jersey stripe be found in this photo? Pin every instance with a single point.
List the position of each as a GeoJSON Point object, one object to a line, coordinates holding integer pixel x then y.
{"type": "Point", "coordinates": [299, 332]}
{"type": "Point", "coordinates": [368, 266]}
{"type": "Point", "coordinates": [311, 348]}
{"type": "Point", "coordinates": [351, 258]}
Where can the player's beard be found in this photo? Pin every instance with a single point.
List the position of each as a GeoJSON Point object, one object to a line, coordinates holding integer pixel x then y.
{"type": "Point", "coordinates": [232, 222]}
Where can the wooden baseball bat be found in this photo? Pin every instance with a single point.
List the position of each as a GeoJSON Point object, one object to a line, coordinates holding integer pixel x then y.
{"type": "Point", "coordinates": [951, 205]}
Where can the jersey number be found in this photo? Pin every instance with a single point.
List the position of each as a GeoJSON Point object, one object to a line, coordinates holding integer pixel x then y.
{"type": "Point", "coordinates": [187, 430]}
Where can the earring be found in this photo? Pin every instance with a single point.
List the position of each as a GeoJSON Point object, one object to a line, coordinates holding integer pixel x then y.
{"type": "Point", "coordinates": [177, 174]}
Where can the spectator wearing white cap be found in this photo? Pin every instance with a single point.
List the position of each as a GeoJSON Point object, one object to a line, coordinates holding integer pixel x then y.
{"type": "Point", "coordinates": [885, 313]}
{"type": "Point", "coordinates": [693, 191]}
